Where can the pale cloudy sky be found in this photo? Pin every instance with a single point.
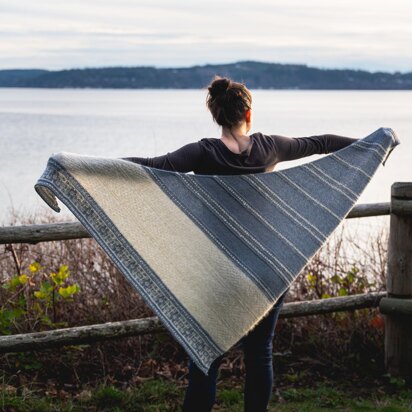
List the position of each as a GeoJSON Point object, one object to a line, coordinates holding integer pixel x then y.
{"type": "Point", "coordinates": [54, 34]}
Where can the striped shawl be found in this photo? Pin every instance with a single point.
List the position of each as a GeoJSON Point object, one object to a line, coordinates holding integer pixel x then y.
{"type": "Point", "coordinates": [211, 254]}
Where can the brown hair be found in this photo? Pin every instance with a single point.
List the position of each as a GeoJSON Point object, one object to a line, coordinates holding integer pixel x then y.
{"type": "Point", "coordinates": [228, 101]}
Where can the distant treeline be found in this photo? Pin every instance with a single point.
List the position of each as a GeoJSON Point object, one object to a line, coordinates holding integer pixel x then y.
{"type": "Point", "coordinates": [256, 75]}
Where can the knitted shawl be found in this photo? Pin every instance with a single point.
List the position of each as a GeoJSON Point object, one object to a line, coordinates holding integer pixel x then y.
{"type": "Point", "coordinates": [211, 254]}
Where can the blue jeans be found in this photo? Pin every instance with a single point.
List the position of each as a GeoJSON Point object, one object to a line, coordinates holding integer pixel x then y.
{"type": "Point", "coordinates": [257, 346]}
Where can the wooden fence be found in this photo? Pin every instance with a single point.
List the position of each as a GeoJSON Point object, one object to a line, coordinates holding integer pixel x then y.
{"type": "Point", "coordinates": [395, 303]}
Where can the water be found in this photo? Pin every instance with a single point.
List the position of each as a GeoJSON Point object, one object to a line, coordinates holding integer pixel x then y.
{"type": "Point", "coordinates": [34, 123]}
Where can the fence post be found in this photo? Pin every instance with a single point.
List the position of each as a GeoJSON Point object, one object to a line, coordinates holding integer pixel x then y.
{"type": "Point", "coordinates": [398, 327]}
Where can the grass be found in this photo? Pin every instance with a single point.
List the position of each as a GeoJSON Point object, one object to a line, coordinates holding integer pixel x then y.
{"type": "Point", "coordinates": [163, 395]}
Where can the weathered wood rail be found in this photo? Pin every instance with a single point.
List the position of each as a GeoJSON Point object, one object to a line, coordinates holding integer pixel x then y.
{"type": "Point", "coordinates": [113, 330]}
{"type": "Point", "coordinates": [395, 303]}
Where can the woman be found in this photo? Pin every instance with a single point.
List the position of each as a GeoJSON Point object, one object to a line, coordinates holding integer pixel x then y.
{"type": "Point", "coordinates": [237, 152]}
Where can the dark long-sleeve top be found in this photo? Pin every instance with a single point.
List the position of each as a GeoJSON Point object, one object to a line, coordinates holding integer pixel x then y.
{"type": "Point", "coordinates": [212, 156]}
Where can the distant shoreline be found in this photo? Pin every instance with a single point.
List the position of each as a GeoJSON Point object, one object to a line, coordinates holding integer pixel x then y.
{"type": "Point", "coordinates": [256, 75]}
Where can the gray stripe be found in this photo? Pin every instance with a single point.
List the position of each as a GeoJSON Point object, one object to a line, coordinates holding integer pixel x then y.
{"type": "Point", "coordinates": [333, 184]}
{"type": "Point", "coordinates": [330, 178]}
{"type": "Point", "coordinates": [237, 228]}
{"type": "Point", "coordinates": [348, 165]}
{"type": "Point", "coordinates": [308, 195]}
{"type": "Point", "coordinates": [268, 193]}
{"type": "Point", "coordinates": [259, 217]}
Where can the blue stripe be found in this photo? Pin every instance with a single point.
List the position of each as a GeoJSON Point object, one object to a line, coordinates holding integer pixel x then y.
{"type": "Point", "coordinates": [243, 225]}
{"type": "Point", "coordinates": [211, 224]}
{"type": "Point", "coordinates": [328, 208]}
{"type": "Point", "coordinates": [273, 208]}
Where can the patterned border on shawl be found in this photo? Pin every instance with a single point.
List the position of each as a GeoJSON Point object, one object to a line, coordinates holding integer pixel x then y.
{"type": "Point", "coordinates": [189, 334]}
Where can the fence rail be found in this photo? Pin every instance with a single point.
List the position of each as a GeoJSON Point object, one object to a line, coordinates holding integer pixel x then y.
{"type": "Point", "coordinates": [113, 330]}
{"type": "Point", "coordinates": [395, 303]}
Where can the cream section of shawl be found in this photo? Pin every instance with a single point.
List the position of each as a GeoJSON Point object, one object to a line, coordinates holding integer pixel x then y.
{"type": "Point", "coordinates": [177, 250]}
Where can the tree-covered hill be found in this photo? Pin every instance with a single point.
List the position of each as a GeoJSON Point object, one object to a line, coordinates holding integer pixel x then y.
{"type": "Point", "coordinates": [256, 75]}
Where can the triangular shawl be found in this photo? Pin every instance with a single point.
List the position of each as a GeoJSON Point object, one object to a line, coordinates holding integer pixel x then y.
{"type": "Point", "coordinates": [211, 254]}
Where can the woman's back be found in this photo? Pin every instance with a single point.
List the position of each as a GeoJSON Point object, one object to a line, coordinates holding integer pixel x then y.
{"type": "Point", "coordinates": [211, 156]}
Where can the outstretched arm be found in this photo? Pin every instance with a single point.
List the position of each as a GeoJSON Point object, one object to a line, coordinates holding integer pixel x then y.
{"type": "Point", "coordinates": [184, 159]}
{"type": "Point", "coordinates": [291, 148]}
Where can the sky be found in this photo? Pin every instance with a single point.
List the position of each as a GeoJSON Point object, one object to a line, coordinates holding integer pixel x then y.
{"type": "Point", "coordinates": [374, 35]}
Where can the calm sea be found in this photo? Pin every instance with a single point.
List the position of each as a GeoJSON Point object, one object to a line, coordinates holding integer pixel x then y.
{"type": "Point", "coordinates": [34, 123]}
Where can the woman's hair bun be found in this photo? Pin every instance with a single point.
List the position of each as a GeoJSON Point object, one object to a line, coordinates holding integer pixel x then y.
{"type": "Point", "coordinates": [228, 101]}
{"type": "Point", "coordinates": [219, 86]}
